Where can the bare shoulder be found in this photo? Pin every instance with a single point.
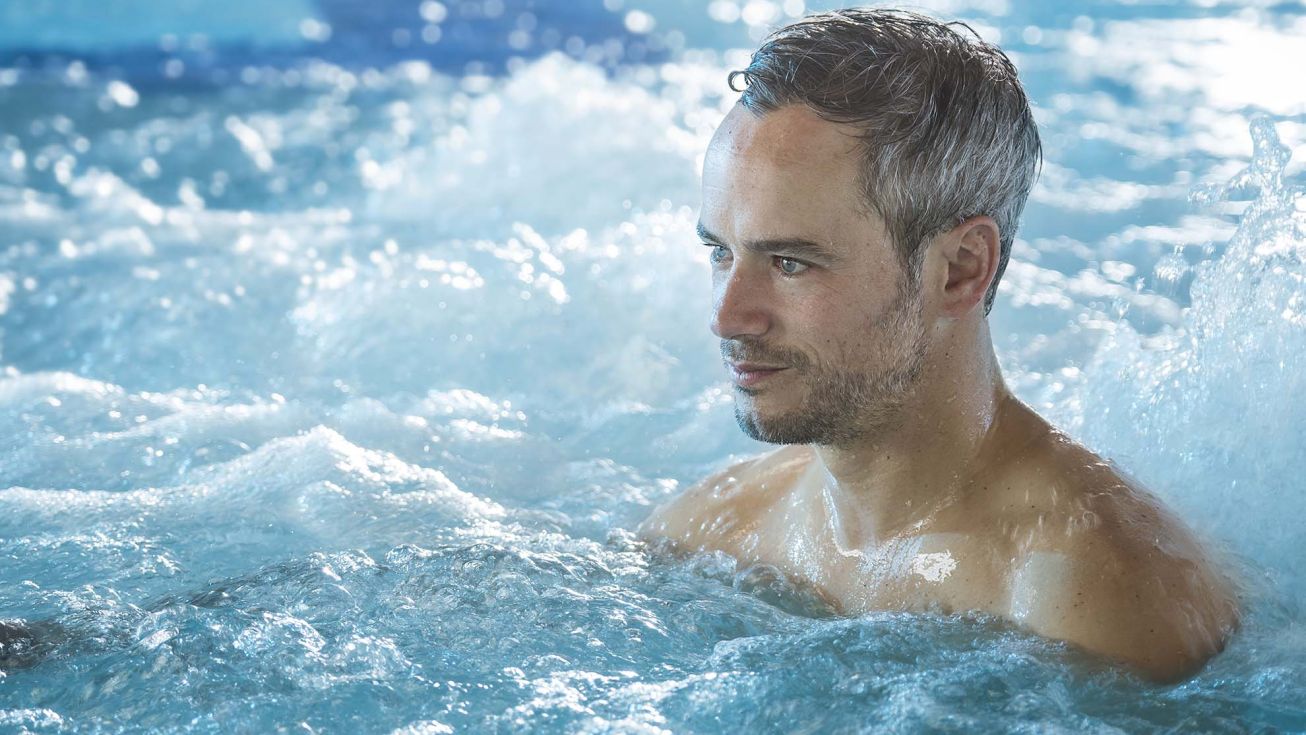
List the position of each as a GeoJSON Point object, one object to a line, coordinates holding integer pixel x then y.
{"type": "Point", "coordinates": [724, 509]}
{"type": "Point", "coordinates": [1100, 562]}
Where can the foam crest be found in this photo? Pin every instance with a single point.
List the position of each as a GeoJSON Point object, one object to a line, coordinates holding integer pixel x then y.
{"type": "Point", "coordinates": [323, 479]}
{"type": "Point", "coordinates": [390, 323]}
{"type": "Point", "coordinates": [290, 493]}
{"type": "Point", "coordinates": [72, 432]}
{"type": "Point", "coordinates": [493, 166]}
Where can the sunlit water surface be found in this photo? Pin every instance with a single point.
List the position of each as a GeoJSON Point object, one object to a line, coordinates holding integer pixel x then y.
{"type": "Point", "coordinates": [338, 365]}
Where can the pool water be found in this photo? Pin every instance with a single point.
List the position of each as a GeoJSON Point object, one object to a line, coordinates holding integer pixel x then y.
{"type": "Point", "coordinates": [344, 346]}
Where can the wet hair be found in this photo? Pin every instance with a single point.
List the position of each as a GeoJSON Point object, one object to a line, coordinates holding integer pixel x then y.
{"type": "Point", "coordinates": [947, 131]}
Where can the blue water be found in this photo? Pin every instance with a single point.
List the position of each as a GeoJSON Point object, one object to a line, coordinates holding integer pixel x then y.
{"type": "Point", "coordinates": [341, 355]}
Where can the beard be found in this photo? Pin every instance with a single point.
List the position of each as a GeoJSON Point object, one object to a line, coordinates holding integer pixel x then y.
{"type": "Point", "coordinates": [846, 401]}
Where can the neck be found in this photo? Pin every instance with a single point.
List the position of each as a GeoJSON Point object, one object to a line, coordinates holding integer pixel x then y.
{"type": "Point", "coordinates": [891, 482]}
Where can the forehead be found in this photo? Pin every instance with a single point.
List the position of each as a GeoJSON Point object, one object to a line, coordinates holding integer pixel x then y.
{"type": "Point", "coordinates": [785, 172]}
{"type": "Point", "coordinates": [790, 135]}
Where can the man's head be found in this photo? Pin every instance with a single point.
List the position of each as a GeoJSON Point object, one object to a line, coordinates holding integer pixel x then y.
{"type": "Point", "coordinates": [865, 141]}
{"type": "Point", "coordinates": [945, 127]}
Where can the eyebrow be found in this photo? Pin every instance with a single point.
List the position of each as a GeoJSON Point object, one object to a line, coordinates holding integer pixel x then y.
{"type": "Point", "coordinates": [796, 246]}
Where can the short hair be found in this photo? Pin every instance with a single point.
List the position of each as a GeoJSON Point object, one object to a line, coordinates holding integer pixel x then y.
{"type": "Point", "coordinates": [947, 129]}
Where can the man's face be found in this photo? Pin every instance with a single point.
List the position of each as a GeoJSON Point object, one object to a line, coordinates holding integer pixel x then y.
{"type": "Point", "coordinates": [819, 325]}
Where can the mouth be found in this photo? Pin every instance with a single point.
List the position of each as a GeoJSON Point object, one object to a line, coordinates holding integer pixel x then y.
{"type": "Point", "coordinates": [748, 375]}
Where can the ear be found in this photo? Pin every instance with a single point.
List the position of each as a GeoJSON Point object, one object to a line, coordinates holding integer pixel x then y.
{"type": "Point", "coordinates": [970, 253]}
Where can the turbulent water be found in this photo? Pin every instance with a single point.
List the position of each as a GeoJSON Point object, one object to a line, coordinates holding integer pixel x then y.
{"type": "Point", "coordinates": [340, 357]}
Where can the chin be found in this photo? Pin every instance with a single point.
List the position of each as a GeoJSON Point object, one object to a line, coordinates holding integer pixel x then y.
{"type": "Point", "coordinates": [761, 409]}
{"type": "Point", "coordinates": [773, 427]}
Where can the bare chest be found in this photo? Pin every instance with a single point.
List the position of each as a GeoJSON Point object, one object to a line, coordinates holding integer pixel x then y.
{"type": "Point", "coordinates": [944, 572]}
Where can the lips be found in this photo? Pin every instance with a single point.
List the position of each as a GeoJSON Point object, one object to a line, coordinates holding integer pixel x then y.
{"type": "Point", "coordinates": [749, 374]}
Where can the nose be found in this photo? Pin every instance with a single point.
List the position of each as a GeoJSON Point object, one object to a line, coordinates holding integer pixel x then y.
{"type": "Point", "coordinates": [741, 304]}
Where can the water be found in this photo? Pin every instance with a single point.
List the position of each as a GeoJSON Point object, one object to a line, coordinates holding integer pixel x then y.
{"type": "Point", "coordinates": [339, 365]}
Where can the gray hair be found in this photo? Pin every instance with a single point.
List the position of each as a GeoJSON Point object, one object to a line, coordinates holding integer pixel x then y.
{"type": "Point", "coordinates": [947, 131]}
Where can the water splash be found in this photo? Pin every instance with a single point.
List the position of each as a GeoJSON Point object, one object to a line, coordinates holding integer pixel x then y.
{"type": "Point", "coordinates": [1212, 423]}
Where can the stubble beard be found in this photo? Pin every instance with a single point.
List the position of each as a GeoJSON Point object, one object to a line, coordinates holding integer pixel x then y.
{"type": "Point", "coordinates": [843, 405]}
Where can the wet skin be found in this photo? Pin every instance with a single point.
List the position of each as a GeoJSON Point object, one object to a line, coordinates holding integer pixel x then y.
{"type": "Point", "coordinates": [924, 489]}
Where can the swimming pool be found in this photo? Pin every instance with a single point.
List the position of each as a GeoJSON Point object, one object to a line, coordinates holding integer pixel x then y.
{"type": "Point", "coordinates": [344, 348]}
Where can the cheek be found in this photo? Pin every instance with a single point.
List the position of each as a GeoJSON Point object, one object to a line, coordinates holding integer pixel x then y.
{"type": "Point", "coordinates": [831, 307]}
{"type": "Point", "coordinates": [844, 334]}
{"type": "Point", "coordinates": [828, 332]}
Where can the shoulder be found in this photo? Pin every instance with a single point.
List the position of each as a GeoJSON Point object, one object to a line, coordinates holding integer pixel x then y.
{"type": "Point", "coordinates": [1101, 563]}
{"type": "Point", "coordinates": [722, 509]}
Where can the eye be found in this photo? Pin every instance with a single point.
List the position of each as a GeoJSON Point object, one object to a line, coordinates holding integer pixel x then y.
{"type": "Point", "coordinates": [791, 267]}
{"type": "Point", "coordinates": [718, 253]}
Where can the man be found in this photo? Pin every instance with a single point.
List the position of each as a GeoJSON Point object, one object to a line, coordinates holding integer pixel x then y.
{"type": "Point", "coordinates": [860, 202]}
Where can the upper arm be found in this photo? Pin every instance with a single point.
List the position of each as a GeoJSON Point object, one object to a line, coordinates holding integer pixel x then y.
{"type": "Point", "coordinates": [667, 520]}
{"type": "Point", "coordinates": [680, 518]}
{"type": "Point", "coordinates": [720, 512]}
{"type": "Point", "coordinates": [1110, 570]}
{"type": "Point", "coordinates": [1164, 618]}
